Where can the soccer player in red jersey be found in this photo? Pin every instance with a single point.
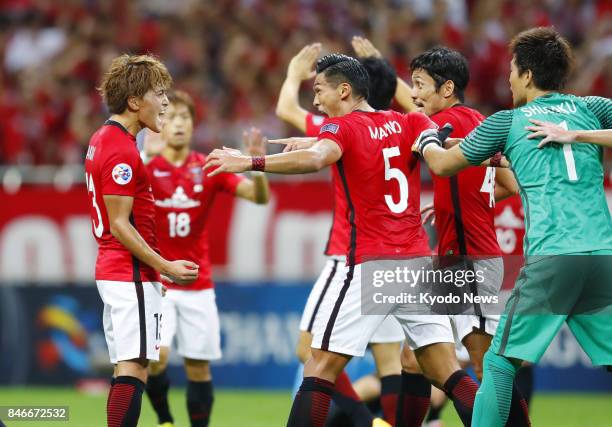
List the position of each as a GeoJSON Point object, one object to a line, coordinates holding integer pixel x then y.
{"type": "Point", "coordinates": [183, 198]}
{"type": "Point", "coordinates": [380, 179]}
{"type": "Point", "coordinates": [123, 223]}
{"type": "Point", "coordinates": [464, 207]}
{"type": "Point", "coordinates": [386, 341]}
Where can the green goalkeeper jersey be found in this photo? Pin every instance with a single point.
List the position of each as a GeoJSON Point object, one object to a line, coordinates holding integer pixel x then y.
{"type": "Point", "coordinates": [561, 186]}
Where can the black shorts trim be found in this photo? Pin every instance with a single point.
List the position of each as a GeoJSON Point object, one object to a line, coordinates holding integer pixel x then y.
{"type": "Point", "coordinates": [141, 302]}
{"type": "Point", "coordinates": [328, 281]}
{"type": "Point", "coordinates": [334, 315]}
{"type": "Point", "coordinates": [351, 259]}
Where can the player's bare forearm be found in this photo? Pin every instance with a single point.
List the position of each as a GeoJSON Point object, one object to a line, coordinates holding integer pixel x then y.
{"type": "Point", "coordinates": [129, 237]}
{"type": "Point", "coordinates": [599, 137]}
{"type": "Point", "coordinates": [403, 95]}
{"type": "Point", "coordinates": [256, 190]}
{"type": "Point", "coordinates": [119, 209]}
{"type": "Point", "coordinates": [445, 162]}
{"type": "Point", "coordinates": [288, 107]}
{"type": "Point", "coordinates": [505, 184]}
{"type": "Point", "coordinates": [323, 153]}
{"type": "Point", "coordinates": [296, 162]}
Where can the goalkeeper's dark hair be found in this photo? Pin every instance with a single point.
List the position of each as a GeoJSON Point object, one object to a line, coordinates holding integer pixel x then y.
{"type": "Point", "coordinates": [546, 53]}
{"type": "Point", "coordinates": [338, 68]}
{"type": "Point", "coordinates": [444, 64]}
{"type": "Point", "coordinates": [383, 82]}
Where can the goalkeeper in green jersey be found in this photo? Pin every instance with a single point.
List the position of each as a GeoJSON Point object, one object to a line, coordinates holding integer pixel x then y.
{"type": "Point", "coordinates": [567, 276]}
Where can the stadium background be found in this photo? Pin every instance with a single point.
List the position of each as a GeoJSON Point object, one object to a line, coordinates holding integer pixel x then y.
{"type": "Point", "coordinates": [231, 56]}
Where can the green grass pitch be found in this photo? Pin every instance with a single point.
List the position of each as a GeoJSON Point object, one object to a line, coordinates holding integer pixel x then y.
{"type": "Point", "coordinates": [270, 409]}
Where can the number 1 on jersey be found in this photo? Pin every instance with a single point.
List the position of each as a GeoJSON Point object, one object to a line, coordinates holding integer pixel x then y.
{"type": "Point", "coordinates": [397, 174]}
{"type": "Point", "coordinates": [569, 157]}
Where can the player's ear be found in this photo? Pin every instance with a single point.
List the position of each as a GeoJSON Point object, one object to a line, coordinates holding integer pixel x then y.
{"type": "Point", "coordinates": [344, 90]}
{"type": "Point", "coordinates": [448, 88]}
{"type": "Point", "coordinates": [133, 103]}
{"type": "Point", "coordinates": [527, 78]}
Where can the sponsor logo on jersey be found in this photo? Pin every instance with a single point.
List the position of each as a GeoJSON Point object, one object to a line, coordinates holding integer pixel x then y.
{"type": "Point", "coordinates": [122, 174]}
{"type": "Point", "coordinates": [331, 128]}
{"type": "Point", "coordinates": [160, 174]}
{"type": "Point", "coordinates": [179, 200]}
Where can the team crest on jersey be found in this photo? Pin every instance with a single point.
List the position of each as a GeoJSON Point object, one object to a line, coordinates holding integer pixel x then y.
{"type": "Point", "coordinates": [330, 127]}
{"type": "Point", "coordinates": [122, 174]}
{"type": "Point", "coordinates": [196, 174]}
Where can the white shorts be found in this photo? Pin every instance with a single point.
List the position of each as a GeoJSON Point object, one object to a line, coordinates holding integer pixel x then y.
{"type": "Point", "coordinates": [493, 273]}
{"type": "Point", "coordinates": [341, 328]}
{"type": "Point", "coordinates": [335, 269]}
{"type": "Point", "coordinates": [193, 318]}
{"type": "Point", "coordinates": [131, 319]}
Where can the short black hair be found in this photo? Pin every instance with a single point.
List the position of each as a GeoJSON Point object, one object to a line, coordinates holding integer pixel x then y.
{"type": "Point", "coordinates": [546, 53]}
{"type": "Point", "coordinates": [383, 82]}
{"type": "Point", "coordinates": [443, 64]}
{"type": "Point", "coordinates": [340, 68]}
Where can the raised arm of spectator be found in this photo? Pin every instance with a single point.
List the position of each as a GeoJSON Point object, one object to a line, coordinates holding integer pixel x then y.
{"type": "Point", "coordinates": [301, 67]}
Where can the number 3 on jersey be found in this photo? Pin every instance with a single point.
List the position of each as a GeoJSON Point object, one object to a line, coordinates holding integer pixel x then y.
{"type": "Point", "coordinates": [98, 229]}
{"type": "Point", "coordinates": [398, 175]}
{"type": "Point", "coordinates": [179, 223]}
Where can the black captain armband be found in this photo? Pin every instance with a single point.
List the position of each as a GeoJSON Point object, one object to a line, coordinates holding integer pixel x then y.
{"type": "Point", "coordinates": [433, 136]}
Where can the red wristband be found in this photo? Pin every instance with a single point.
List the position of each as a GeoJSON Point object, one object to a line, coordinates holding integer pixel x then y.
{"type": "Point", "coordinates": [495, 161]}
{"type": "Point", "coordinates": [258, 163]}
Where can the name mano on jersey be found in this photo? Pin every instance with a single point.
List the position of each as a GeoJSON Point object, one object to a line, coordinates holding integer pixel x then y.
{"type": "Point", "coordinates": [389, 128]}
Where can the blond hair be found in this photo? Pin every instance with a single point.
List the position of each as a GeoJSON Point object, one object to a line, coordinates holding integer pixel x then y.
{"type": "Point", "coordinates": [132, 75]}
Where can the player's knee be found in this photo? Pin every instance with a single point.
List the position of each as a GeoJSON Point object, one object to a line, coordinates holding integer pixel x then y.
{"type": "Point", "coordinates": [302, 350]}
{"type": "Point", "coordinates": [197, 370]}
{"type": "Point", "coordinates": [325, 364]}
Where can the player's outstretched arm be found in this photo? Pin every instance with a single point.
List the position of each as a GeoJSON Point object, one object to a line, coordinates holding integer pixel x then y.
{"type": "Point", "coordinates": [257, 189]}
{"type": "Point", "coordinates": [551, 132]}
{"type": "Point", "coordinates": [441, 162]}
{"type": "Point", "coordinates": [300, 68]}
{"type": "Point", "coordinates": [322, 154]}
{"type": "Point", "coordinates": [119, 209]}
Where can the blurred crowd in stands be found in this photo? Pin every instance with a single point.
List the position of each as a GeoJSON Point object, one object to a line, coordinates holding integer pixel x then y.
{"type": "Point", "coordinates": [231, 55]}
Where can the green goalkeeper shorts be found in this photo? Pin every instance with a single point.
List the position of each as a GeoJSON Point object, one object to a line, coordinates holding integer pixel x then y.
{"type": "Point", "coordinates": [576, 289]}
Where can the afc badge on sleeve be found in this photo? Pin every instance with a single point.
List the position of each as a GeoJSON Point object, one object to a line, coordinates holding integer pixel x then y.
{"type": "Point", "coordinates": [122, 174]}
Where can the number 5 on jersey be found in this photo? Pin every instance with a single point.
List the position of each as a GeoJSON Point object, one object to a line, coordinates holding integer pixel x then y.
{"type": "Point", "coordinates": [398, 175]}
